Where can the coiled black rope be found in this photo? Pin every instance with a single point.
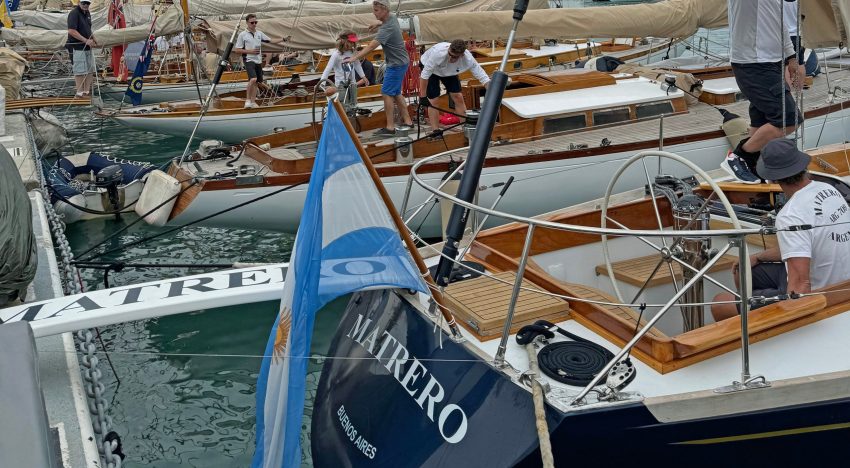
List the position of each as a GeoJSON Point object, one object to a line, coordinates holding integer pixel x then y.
{"type": "Point", "coordinates": [574, 362]}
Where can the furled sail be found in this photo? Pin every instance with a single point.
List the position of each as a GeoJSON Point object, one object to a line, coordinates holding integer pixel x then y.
{"type": "Point", "coordinates": [671, 18]}
{"type": "Point", "coordinates": [320, 32]}
{"type": "Point", "coordinates": [170, 22]}
{"type": "Point", "coordinates": [138, 12]}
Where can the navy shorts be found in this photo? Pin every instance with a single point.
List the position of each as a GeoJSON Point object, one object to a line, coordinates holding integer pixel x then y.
{"type": "Point", "coordinates": [255, 70]}
{"type": "Point", "coordinates": [769, 279]}
{"type": "Point", "coordinates": [765, 88]}
{"type": "Point", "coordinates": [452, 84]}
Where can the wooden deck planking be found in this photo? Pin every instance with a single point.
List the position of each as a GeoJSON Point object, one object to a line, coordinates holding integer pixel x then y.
{"type": "Point", "coordinates": [481, 305]}
{"type": "Point", "coordinates": [636, 271]}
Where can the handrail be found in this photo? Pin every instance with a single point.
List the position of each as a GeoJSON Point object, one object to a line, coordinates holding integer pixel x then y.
{"type": "Point", "coordinates": [562, 226]}
{"type": "Point", "coordinates": [651, 323]}
{"type": "Point", "coordinates": [738, 238]}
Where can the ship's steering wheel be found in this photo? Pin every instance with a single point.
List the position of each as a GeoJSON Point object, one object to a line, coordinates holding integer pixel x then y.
{"type": "Point", "coordinates": [664, 249]}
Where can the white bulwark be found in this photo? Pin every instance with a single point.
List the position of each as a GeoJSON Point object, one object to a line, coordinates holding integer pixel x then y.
{"type": "Point", "coordinates": [148, 300]}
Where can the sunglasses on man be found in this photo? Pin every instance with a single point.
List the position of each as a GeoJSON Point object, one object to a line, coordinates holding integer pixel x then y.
{"type": "Point", "coordinates": [252, 22]}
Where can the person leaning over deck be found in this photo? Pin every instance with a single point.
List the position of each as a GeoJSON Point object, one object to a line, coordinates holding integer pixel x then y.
{"type": "Point", "coordinates": [395, 56]}
{"type": "Point", "coordinates": [442, 64]}
{"type": "Point", "coordinates": [80, 41]}
{"type": "Point", "coordinates": [250, 45]}
{"type": "Point", "coordinates": [806, 259]}
{"type": "Point", "coordinates": [345, 44]}
{"type": "Point", "coordinates": [757, 52]}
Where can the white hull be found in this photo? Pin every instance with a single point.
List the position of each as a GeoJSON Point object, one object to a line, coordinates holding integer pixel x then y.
{"type": "Point", "coordinates": [98, 200]}
{"type": "Point", "coordinates": [232, 128]}
{"type": "Point", "coordinates": [555, 184]}
{"type": "Point", "coordinates": [152, 94]}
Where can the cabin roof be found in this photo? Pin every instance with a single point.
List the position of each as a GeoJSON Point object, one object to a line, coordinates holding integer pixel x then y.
{"type": "Point", "coordinates": [622, 93]}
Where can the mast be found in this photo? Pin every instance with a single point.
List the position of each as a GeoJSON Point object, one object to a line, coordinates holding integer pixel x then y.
{"type": "Point", "coordinates": [187, 40]}
{"type": "Point", "coordinates": [475, 160]}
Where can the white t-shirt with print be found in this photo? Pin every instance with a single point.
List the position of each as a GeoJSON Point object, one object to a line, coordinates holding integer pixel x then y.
{"type": "Point", "coordinates": [817, 204]}
{"type": "Point", "coordinates": [247, 40]}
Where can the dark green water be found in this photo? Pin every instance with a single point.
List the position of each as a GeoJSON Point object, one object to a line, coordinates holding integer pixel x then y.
{"type": "Point", "coordinates": [187, 382]}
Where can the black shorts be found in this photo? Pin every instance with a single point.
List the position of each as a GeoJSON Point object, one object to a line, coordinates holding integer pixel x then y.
{"type": "Point", "coordinates": [769, 279]}
{"type": "Point", "coordinates": [452, 84]}
{"type": "Point", "coordinates": [764, 86]}
{"type": "Point", "coordinates": [255, 70]}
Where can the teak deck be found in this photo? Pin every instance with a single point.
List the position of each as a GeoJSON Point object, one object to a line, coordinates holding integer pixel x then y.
{"type": "Point", "coordinates": [636, 271]}
{"type": "Point", "coordinates": [481, 305]}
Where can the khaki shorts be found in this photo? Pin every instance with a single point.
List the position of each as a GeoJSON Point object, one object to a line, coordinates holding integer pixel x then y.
{"type": "Point", "coordinates": [83, 62]}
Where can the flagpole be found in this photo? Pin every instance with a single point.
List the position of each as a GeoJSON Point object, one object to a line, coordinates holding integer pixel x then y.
{"type": "Point", "coordinates": [402, 228]}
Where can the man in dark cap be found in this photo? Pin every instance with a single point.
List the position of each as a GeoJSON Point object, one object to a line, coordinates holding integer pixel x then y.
{"type": "Point", "coordinates": [813, 232]}
{"type": "Point", "coordinates": [80, 42]}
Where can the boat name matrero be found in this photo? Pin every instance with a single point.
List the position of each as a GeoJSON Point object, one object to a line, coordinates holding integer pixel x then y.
{"type": "Point", "coordinates": [431, 393]}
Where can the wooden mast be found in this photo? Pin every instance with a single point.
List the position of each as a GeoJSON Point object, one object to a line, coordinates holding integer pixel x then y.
{"type": "Point", "coordinates": [402, 228]}
{"type": "Point", "coordinates": [187, 31]}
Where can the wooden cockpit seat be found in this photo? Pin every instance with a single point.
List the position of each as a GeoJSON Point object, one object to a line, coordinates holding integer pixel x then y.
{"type": "Point", "coordinates": [636, 271]}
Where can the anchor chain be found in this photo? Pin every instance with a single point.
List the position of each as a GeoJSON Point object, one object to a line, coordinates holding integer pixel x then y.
{"type": "Point", "coordinates": [108, 442]}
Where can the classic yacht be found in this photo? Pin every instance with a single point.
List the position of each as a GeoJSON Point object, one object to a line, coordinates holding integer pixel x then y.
{"type": "Point", "coordinates": [608, 298]}
{"type": "Point", "coordinates": [556, 129]}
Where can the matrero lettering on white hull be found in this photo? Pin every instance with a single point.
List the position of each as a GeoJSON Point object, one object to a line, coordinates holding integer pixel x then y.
{"type": "Point", "coordinates": [415, 379]}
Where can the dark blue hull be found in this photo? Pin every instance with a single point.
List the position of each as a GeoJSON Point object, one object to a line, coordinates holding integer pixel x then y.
{"type": "Point", "coordinates": [398, 398]}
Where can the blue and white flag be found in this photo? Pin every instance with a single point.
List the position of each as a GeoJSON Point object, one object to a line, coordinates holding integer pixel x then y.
{"type": "Point", "coordinates": [134, 88]}
{"type": "Point", "coordinates": [346, 242]}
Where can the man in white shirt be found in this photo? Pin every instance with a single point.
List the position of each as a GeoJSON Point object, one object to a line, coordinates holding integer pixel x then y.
{"type": "Point", "coordinates": [442, 64]}
{"type": "Point", "coordinates": [250, 44]}
{"type": "Point", "coordinates": [813, 229]}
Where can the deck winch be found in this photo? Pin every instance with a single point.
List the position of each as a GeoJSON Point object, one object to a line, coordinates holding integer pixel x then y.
{"type": "Point", "coordinates": [470, 125]}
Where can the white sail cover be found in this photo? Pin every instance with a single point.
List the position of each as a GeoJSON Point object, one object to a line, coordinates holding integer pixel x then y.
{"type": "Point", "coordinates": [139, 12]}
{"type": "Point", "coordinates": [135, 15]}
{"type": "Point", "coordinates": [169, 22]}
{"type": "Point", "coordinates": [320, 32]}
{"type": "Point", "coordinates": [671, 18]}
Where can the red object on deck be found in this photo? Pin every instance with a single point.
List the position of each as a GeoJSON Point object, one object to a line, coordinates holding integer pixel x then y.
{"type": "Point", "coordinates": [449, 119]}
{"type": "Point", "coordinates": [410, 85]}
{"type": "Point", "coordinates": [117, 21]}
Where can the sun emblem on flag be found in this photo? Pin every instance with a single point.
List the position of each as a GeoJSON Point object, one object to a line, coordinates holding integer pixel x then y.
{"type": "Point", "coordinates": [282, 335]}
{"type": "Point", "coordinates": [136, 84]}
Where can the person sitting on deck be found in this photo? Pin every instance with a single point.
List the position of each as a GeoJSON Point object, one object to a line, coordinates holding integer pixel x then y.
{"type": "Point", "coordinates": [345, 44]}
{"type": "Point", "coordinates": [806, 259]}
{"type": "Point", "coordinates": [442, 64]}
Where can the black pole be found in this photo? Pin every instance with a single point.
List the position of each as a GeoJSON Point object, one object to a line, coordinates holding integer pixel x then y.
{"type": "Point", "coordinates": [475, 159]}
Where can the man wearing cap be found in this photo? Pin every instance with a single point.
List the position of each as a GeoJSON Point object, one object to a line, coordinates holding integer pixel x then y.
{"type": "Point", "coordinates": [80, 41]}
{"type": "Point", "coordinates": [807, 258]}
{"type": "Point", "coordinates": [249, 44]}
{"type": "Point", "coordinates": [442, 64]}
{"type": "Point", "coordinates": [395, 56]}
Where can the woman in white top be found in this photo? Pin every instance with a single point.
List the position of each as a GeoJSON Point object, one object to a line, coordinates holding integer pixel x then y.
{"type": "Point", "coordinates": [345, 45]}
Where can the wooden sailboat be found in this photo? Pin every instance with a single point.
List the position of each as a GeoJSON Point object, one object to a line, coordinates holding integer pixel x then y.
{"type": "Point", "coordinates": [572, 141]}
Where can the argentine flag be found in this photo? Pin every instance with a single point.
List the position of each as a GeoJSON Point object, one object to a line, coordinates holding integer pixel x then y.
{"type": "Point", "coordinates": [346, 242]}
